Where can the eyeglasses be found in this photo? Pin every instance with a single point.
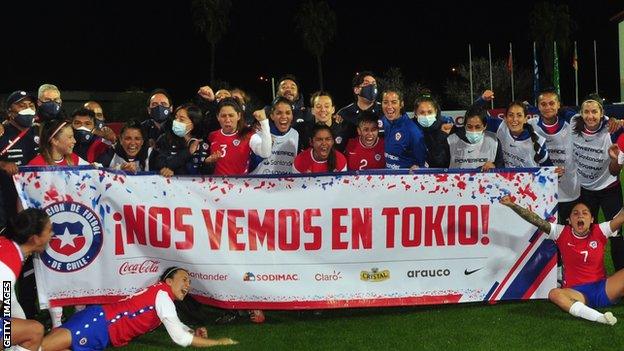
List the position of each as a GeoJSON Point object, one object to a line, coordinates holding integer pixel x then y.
{"type": "Point", "coordinates": [58, 101]}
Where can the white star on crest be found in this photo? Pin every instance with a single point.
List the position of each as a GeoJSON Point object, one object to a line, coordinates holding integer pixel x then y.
{"type": "Point", "coordinates": [67, 238]}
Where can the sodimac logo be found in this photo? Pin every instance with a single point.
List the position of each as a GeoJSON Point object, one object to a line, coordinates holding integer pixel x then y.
{"type": "Point", "coordinates": [270, 277]}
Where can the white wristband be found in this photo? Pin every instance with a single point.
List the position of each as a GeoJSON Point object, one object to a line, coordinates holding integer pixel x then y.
{"type": "Point", "coordinates": [621, 158]}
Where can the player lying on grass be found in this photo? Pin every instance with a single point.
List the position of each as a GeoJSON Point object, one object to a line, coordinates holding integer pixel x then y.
{"type": "Point", "coordinates": [581, 244]}
{"type": "Point", "coordinates": [116, 324]}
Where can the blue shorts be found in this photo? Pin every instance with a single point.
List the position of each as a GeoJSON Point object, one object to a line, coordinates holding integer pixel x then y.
{"type": "Point", "coordinates": [595, 294]}
{"type": "Point", "coordinates": [89, 329]}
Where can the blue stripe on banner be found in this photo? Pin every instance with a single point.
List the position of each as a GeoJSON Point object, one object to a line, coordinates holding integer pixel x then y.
{"type": "Point", "coordinates": [531, 270]}
{"type": "Point", "coordinates": [487, 296]}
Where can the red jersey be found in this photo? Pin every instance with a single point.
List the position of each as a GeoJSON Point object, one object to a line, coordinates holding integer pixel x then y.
{"type": "Point", "coordinates": [10, 261]}
{"type": "Point", "coordinates": [361, 157]}
{"type": "Point", "coordinates": [134, 315]}
{"type": "Point", "coordinates": [96, 149]}
{"type": "Point", "coordinates": [583, 258]}
{"type": "Point", "coordinates": [305, 163]}
{"type": "Point", "coordinates": [235, 152]}
{"type": "Point", "coordinates": [40, 161]}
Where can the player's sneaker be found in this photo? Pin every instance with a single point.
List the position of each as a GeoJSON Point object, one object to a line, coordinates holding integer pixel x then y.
{"type": "Point", "coordinates": [611, 320]}
{"type": "Point", "coordinates": [256, 316]}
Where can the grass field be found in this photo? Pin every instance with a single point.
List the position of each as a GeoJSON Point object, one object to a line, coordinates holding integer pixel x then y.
{"type": "Point", "coordinates": [521, 325]}
{"type": "Point", "coordinates": [533, 325]}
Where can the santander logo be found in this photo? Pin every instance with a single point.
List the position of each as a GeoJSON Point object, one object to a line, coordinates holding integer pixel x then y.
{"type": "Point", "coordinates": [147, 266]}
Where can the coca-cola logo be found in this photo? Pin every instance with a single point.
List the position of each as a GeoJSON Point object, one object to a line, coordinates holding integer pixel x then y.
{"type": "Point", "coordinates": [147, 266]}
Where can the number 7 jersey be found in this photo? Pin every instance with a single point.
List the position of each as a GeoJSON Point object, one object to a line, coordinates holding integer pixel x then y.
{"type": "Point", "coordinates": [583, 257]}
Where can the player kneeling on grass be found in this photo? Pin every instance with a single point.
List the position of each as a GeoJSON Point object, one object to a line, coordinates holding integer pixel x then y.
{"type": "Point", "coordinates": [581, 245]}
{"type": "Point", "coordinates": [118, 323]}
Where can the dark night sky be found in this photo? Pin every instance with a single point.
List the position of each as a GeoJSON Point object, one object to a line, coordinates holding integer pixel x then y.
{"type": "Point", "coordinates": [119, 45]}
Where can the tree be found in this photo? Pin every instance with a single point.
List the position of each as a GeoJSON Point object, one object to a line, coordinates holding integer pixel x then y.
{"type": "Point", "coordinates": [316, 22]}
{"type": "Point", "coordinates": [550, 22]}
{"type": "Point", "coordinates": [211, 19]}
{"type": "Point", "coordinates": [458, 87]}
{"type": "Point", "coordinates": [393, 78]}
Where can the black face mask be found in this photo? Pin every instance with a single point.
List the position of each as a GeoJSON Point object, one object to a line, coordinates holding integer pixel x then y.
{"type": "Point", "coordinates": [83, 136]}
{"type": "Point", "coordinates": [159, 113]}
{"type": "Point", "coordinates": [99, 124]}
{"type": "Point", "coordinates": [25, 118]}
{"type": "Point", "coordinates": [369, 92]}
{"type": "Point", "coordinates": [49, 110]}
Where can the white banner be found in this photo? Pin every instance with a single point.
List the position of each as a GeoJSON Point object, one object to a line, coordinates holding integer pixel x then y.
{"type": "Point", "coordinates": [375, 239]}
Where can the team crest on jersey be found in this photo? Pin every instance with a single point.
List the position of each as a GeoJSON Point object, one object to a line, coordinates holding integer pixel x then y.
{"type": "Point", "coordinates": [338, 140]}
{"type": "Point", "coordinates": [77, 238]}
{"type": "Point", "coordinates": [36, 139]}
{"type": "Point", "coordinates": [593, 244]}
{"type": "Point", "coordinates": [377, 157]}
{"type": "Point", "coordinates": [397, 136]}
{"type": "Point", "coordinates": [236, 142]}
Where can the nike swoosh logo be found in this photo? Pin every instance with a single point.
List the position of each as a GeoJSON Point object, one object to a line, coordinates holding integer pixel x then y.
{"type": "Point", "coordinates": [467, 272]}
{"type": "Point", "coordinates": [570, 244]}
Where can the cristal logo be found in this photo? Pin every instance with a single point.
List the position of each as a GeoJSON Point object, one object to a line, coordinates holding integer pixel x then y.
{"type": "Point", "coordinates": [375, 275]}
{"type": "Point", "coordinates": [77, 238]}
{"type": "Point", "coordinates": [147, 266]}
{"type": "Point", "coordinates": [269, 277]}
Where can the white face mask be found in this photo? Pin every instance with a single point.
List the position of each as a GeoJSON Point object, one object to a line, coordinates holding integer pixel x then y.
{"type": "Point", "coordinates": [28, 111]}
{"type": "Point", "coordinates": [426, 120]}
{"type": "Point", "coordinates": [178, 128]}
{"type": "Point", "coordinates": [474, 137]}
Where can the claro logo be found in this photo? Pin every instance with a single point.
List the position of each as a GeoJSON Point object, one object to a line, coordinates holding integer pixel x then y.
{"type": "Point", "coordinates": [428, 273]}
{"type": "Point", "coordinates": [375, 275]}
{"type": "Point", "coordinates": [327, 277]}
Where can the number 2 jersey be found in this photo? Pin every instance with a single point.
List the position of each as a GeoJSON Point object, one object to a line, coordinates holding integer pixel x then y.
{"type": "Point", "coordinates": [360, 157]}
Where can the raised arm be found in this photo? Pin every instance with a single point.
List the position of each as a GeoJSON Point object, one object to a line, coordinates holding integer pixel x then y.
{"type": "Point", "coordinates": [527, 214]}
{"type": "Point", "coordinates": [617, 221]}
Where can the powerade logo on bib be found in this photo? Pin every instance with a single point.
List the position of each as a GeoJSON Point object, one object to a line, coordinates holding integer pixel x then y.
{"type": "Point", "coordinates": [77, 237]}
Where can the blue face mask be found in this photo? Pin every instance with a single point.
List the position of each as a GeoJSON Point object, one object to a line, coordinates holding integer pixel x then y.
{"type": "Point", "coordinates": [179, 128]}
{"type": "Point", "coordinates": [25, 118]}
{"type": "Point", "coordinates": [159, 113]}
{"type": "Point", "coordinates": [83, 135]}
{"type": "Point", "coordinates": [369, 92]}
{"type": "Point", "coordinates": [426, 120]}
{"type": "Point", "coordinates": [474, 137]}
{"type": "Point", "coordinates": [49, 110]}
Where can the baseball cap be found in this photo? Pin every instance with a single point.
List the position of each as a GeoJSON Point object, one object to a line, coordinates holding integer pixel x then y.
{"type": "Point", "coordinates": [17, 96]}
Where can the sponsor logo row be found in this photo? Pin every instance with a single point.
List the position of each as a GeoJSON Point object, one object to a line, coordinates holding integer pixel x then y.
{"type": "Point", "coordinates": [373, 275]}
